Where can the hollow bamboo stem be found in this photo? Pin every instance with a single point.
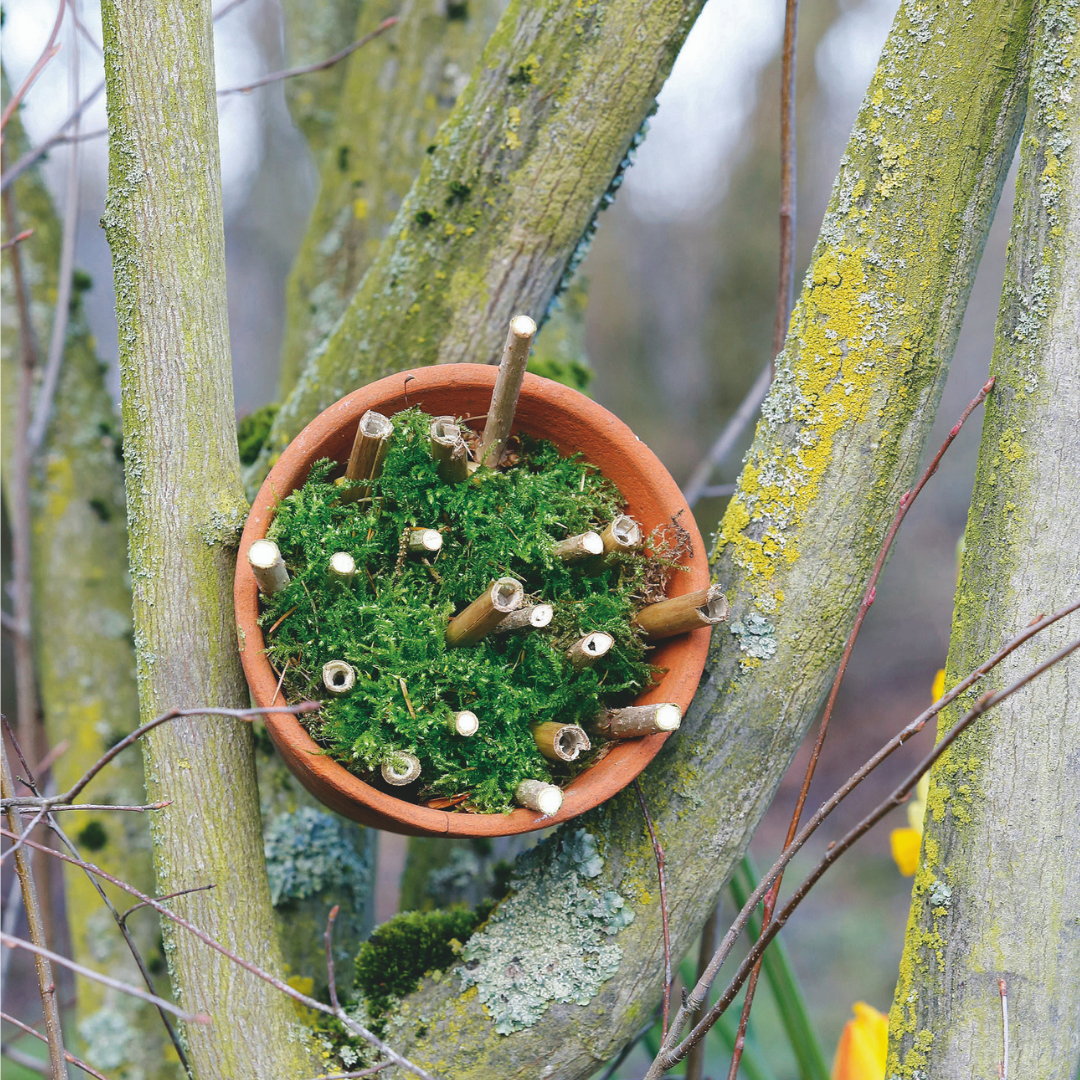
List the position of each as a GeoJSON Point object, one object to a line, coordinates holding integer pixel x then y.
{"type": "Point", "coordinates": [622, 535]}
{"type": "Point", "coordinates": [464, 723]}
{"type": "Point", "coordinates": [448, 450]}
{"type": "Point", "coordinates": [485, 613]}
{"type": "Point", "coordinates": [368, 453]}
{"type": "Point", "coordinates": [637, 720]}
{"type": "Point", "coordinates": [401, 769]}
{"type": "Point", "coordinates": [338, 677]}
{"type": "Point", "coordinates": [532, 617]}
{"type": "Point", "coordinates": [425, 541]}
{"type": "Point", "coordinates": [587, 650]}
{"type": "Point", "coordinates": [574, 548]}
{"type": "Point", "coordinates": [342, 566]}
{"type": "Point", "coordinates": [535, 795]}
{"type": "Point", "coordinates": [268, 567]}
{"type": "Point", "coordinates": [507, 387]}
{"type": "Point", "coordinates": [560, 742]}
{"type": "Point", "coordinates": [706, 607]}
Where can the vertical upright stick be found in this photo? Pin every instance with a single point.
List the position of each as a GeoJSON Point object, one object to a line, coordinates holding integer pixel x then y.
{"type": "Point", "coordinates": [368, 453]}
{"type": "Point", "coordinates": [507, 387]}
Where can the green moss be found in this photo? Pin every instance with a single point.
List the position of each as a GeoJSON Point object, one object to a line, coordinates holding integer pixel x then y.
{"type": "Point", "coordinates": [92, 836]}
{"type": "Point", "coordinates": [390, 621]}
{"type": "Point", "coordinates": [252, 430]}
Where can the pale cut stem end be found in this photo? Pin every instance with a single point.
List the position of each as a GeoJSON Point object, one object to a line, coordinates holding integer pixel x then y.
{"type": "Point", "coordinates": [636, 720]}
{"type": "Point", "coordinates": [485, 613]}
{"type": "Point", "coordinates": [587, 650]}
{"type": "Point", "coordinates": [342, 566]}
{"type": "Point", "coordinates": [338, 677]}
{"type": "Point", "coordinates": [425, 541]}
{"type": "Point", "coordinates": [535, 795]}
{"type": "Point", "coordinates": [267, 565]}
{"type": "Point", "coordinates": [622, 535]}
{"type": "Point", "coordinates": [584, 546]}
{"type": "Point", "coordinates": [533, 617]}
{"type": "Point", "coordinates": [465, 723]}
{"type": "Point", "coordinates": [368, 452]}
{"type": "Point", "coordinates": [695, 610]}
{"type": "Point", "coordinates": [401, 769]}
{"type": "Point", "coordinates": [449, 451]}
{"type": "Point", "coordinates": [504, 398]}
{"type": "Point", "coordinates": [560, 742]}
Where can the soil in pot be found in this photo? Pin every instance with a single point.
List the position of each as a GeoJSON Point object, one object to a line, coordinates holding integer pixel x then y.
{"type": "Point", "coordinates": [386, 622]}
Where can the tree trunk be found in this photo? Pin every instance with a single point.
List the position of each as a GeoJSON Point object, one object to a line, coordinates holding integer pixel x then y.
{"type": "Point", "coordinates": [997, 894]}
{"type": "Point", "coordinates": [185, 507]}
{"type": "Point", "coordinates": [557, 967]}
{"type": "Point", "coordinates": [82, 639]}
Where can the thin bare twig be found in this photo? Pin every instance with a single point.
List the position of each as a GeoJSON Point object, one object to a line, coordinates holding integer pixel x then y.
{"type": "Point", "coordinates": [25, 805]}
{"type": "Point", "coordinates": [670, 1055]}
{"type": "Point", "coordinates": [9, 623]}
{"type": "Point", "coordinates": [695, 1061]}
{"type": "Point", "coordinates": [1003, 1067]}
{"type": "Point", "coordinates": [658, 851]}
{"type": "Point", "coordinates": [50, 50]}
{"type": "Point", "coordinates": [785, 290]}
{"type": "Point", "coordinates": [12, 1053]}
{"type": "Point", "coordinates": [906, 501]}
{"type": "Point", "coordinates": [371, 1071]}
{"type": "Point", "coordinates": [161, 899]}
{"type": "Point", "coordinates": [309, 69]}
{"type": "Point", "coordinates": [329, 937]}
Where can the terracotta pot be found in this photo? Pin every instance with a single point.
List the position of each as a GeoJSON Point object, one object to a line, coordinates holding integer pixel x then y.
{"type": "Point", "coordinates": [545, 409]}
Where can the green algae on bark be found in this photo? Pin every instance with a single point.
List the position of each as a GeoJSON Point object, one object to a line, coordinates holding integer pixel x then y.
{"type": "Point", "coordinates": [996, 892]}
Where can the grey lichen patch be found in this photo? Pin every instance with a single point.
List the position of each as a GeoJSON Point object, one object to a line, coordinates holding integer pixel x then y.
{"type": "Point", "coordinates": [756, 636]}
{"type": "Point", "coordinates": [940, 895]}
{"type": "Point", "coordinates": [552, 940]}
{"type": "Point", "coordinates": [308, 852]}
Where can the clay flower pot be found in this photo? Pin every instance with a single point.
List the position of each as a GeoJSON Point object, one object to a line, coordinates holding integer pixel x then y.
{"type": "Point", "coordinates": [545, 410]}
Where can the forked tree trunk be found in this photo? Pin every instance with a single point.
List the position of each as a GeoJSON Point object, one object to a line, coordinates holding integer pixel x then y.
{"type": "Point", "coordinates": [185, 507]}
{"type": "Point", "coordinates": [997, 893]}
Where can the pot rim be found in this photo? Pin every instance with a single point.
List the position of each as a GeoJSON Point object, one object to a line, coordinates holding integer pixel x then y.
{"type": "Point", "coordinates": [330, 434]}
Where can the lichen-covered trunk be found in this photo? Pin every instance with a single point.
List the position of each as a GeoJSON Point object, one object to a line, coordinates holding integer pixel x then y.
{"type": "Point", "coordinates": [560, 977]}
{"type": "Point", "coordinates": [503, 207]}
{"type": "Point", "coordinates": [997, 893]}
{"type": "Point", "coordinates": [82, 640]}
{"type": "Point", "coordinates": [185, 506]}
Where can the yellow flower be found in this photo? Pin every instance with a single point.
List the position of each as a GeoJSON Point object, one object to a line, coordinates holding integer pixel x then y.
{"type": "Point", "coordinates": [905, 844]}
{"type": "Point", "coordinates": [939, 685]}
{"type": "Point", "coordinates": [860, 1054]}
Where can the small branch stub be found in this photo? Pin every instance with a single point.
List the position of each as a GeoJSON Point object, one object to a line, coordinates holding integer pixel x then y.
{"type": "Point", "coordinates": [574, 548]}
{"type": "Point", "coordinates": [705, 607]}
{"type": "Point", "coordinates": [368, 453]}
{"type": "Point", "coordinates": [338, 677]}
{"type": "Point", "coordinates": [448, 450]}
{"type": "Point", "coordinates": [485, 613]}
{"type": "Point", "coordinates": [586, 651]}
{"type": "Point", "coordinates": [507, 387]}
{"type": "Point", "coordinates": [342, 566]}
{"type": "Point", "coordinates": [401, 769]}
{"type": "Point", "coordinates": [464, 723]}
{"type": "Point", "coordinates": [637, 720]}
{"type": "Point", "coordinates": [535, 795]}
{"type": "Point", "coordinates": [425, 541]}
{"type": "Point", "coordinates": [622, 535]}
{"type": "Point", "coordinates": [532, 617]}
{"type": "Point", "coordinates": [560, 742]}
{"type": "Point", "coordinates": [268, 567]}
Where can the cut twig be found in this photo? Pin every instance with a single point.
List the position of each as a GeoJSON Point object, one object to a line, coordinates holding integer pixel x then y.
{"type": "Point", "coordinates": [342, 566]}
{"type": "Point", "coordinates": [338, 677]}
{"type": "Point", "coordinates": [587, 650]}
{"type": "Point", "coordinates": [424, 541]}
{"type": "Point", "coordinates": [268, 567]}
{"type": "Point", "coordinates": [531, 617]}
{"type": "Point", "coordinates": [368, 453]}
{"type": "Point", "coordinates": [705, 607]}
{"type": "Point", "coordinates": [449, 451]}
{"type": "Point", "coordinates": [465, 723]}
{"type": "Point", "coordinates": [507, 387]}
{"type": "Point", "coordinates": [536, 795]}
{"type": "Point", "coordinates": [575, 548]}
{"type": "Point", "coordinates": [401, 769]}
{"type": "Point", "coordinates": [560, 742]}
{"type": "Point", "coordinates": [637, 720]}
{"type": "Point", "coordinates": [622, 535]}
{"type": "Point", "coordinates": [485, 613]}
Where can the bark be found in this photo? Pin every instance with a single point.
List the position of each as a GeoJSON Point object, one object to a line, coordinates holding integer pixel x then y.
{"type": "Point", "coordinates": [397, 92]}
{"type": "Point", "coordinates": [997, 893]}
{"type": "Point", "coordinates": [82, 637]}
{"type": "Point", "coordinates": [504, 205]}
{"type": "Point", "coordinates": [163, 219]}
{"type": "Point", "coordinates": [557, 967]}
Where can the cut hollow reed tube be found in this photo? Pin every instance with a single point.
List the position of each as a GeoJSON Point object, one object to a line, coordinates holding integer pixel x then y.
{"type": "Point", "coordinates": [637, 720]}
{"type": "Point", "coordinates": [485, 612]}
{"type": "Point", "coordinates": [531, 617]}
{"type": "Point", "coordinates": [705, 607]}
{"type": "Point", "coordinates": [583, 546]}
{"type": "Point", "coordinates": [368, 453]}
{"type": "Point", "coordinates": [401, 769]}
{"type": "Point", "coordinates": [338, 677]}
{"type": "Point", "coordinates": [508, 382]}
{"type": "Point", "coordinates": [587, 650]}
{"type": "Point", "coordinates": [622, 535]}
{"type": "Point", "coordinates": [448, 450]}
{"type": "Point", "coordinates": [560, 742]}
{"type": "Point", "coordinates": [268, 567]}
{"type": "Point", "coordinates": [465, 723]}
{"type": "Point", "coordinates": [424, 541]}
{"type": "Point", "coordinates": [536, 795]}
{"type": "Point", "coordinates": [342, 566]}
